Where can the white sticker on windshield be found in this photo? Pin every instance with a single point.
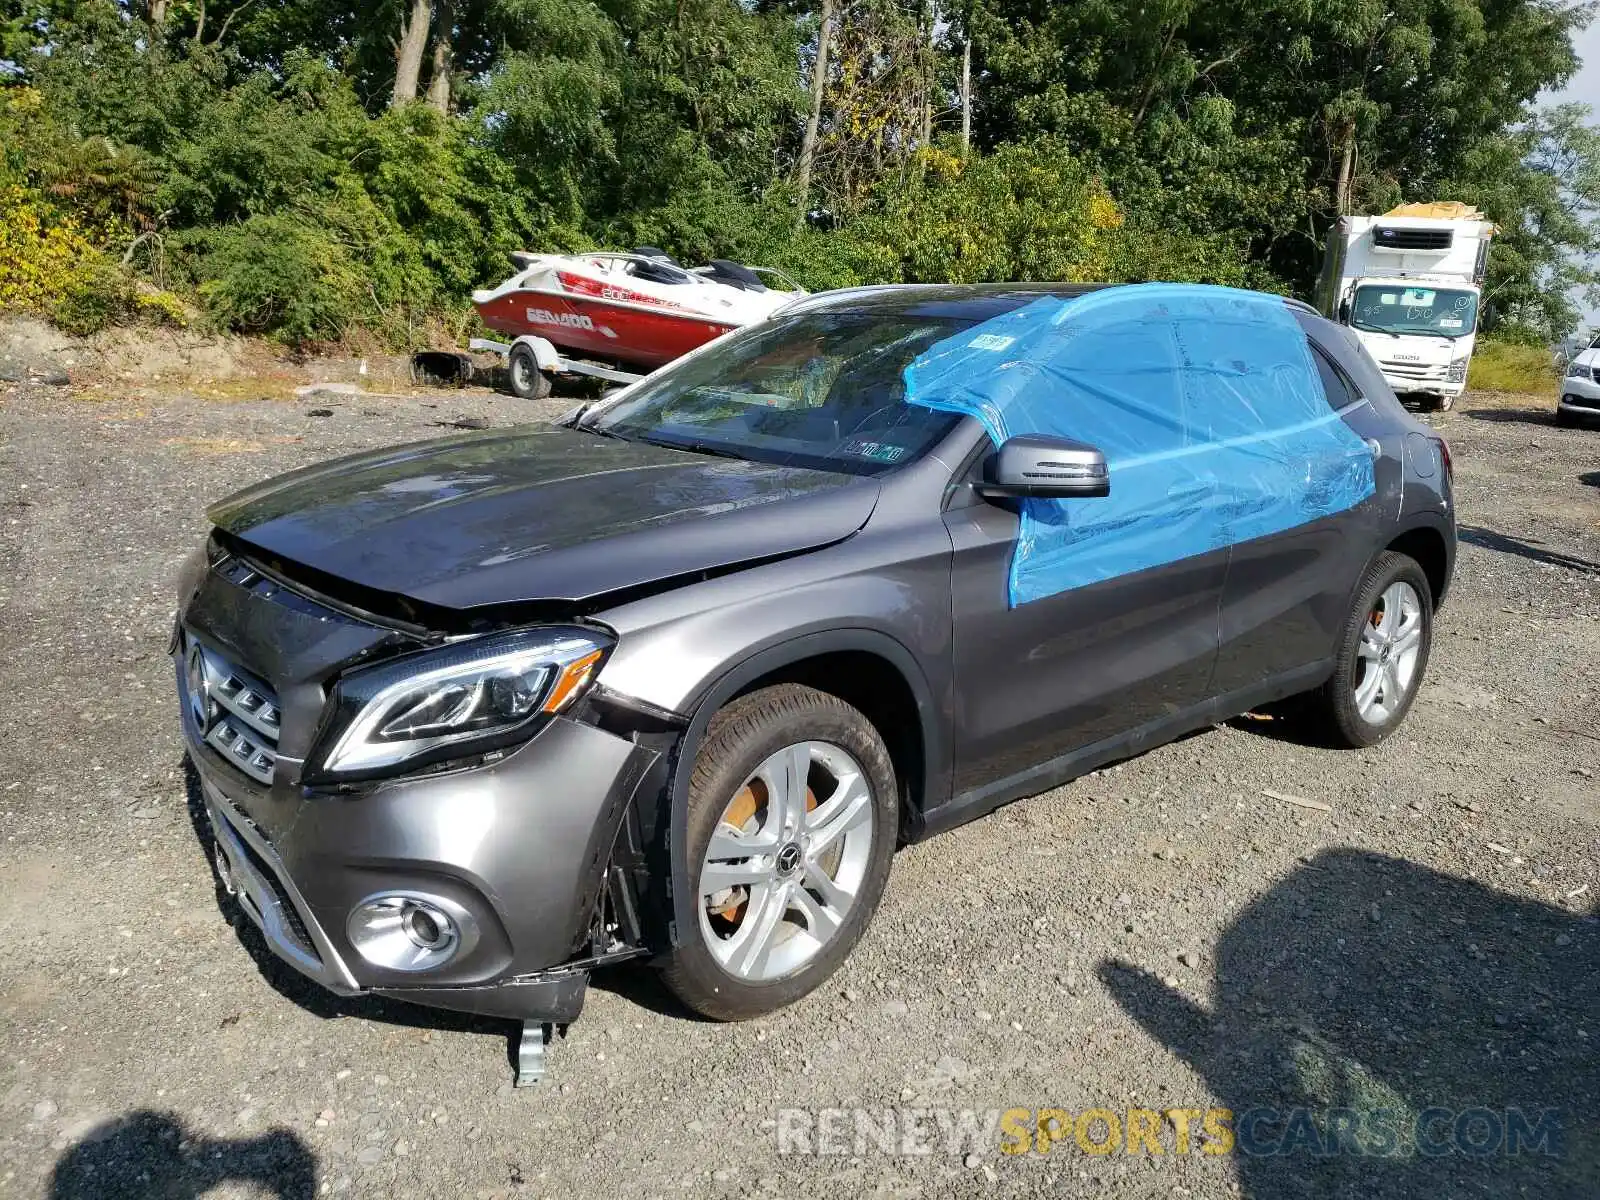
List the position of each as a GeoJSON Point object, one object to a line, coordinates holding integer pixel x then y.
{"type": "Point", "coordinates": [1418, 297]}
{"type": "Point", "coordinates": [1388, 298]}
{"type": "Point", "coordinates": [1449, 322]}
{"type": "Point", "coordinates": [991, 341]}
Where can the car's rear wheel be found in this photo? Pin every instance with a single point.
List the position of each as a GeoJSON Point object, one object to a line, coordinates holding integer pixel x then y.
{"type": "Point", "coordinates": [793, 815]}
{"type": "Point", "coordinates": [1382, 654]}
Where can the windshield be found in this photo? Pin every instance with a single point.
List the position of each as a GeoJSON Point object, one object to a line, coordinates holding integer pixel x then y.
{"type": "Point", "coordinates": [820, 390]}
{"type": "Point", "coordinates": [1394, 308]}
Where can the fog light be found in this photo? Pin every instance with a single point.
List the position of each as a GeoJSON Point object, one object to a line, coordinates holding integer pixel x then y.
{"type": "Point", "coordinates": [427, 929]}
{"type": "Point", "coordinates": [408, 931]}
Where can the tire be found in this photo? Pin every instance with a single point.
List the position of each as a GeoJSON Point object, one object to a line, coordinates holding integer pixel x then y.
{"type": "Point", "coordinates": [525, 378]}
{"type": "Point", "coordinates": [1443, 403]}
{"type": "Point", "coordinates": [1336, 709]}
{"type": "Point", "coordinates": [722, 969]}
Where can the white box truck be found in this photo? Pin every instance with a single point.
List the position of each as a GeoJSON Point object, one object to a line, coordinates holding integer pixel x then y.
{"type": "Point", "coordinates": [1409, 283]}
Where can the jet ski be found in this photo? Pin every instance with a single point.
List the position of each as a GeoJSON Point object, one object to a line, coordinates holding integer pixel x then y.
{"type": "Point", "coordinates": [640, 308]}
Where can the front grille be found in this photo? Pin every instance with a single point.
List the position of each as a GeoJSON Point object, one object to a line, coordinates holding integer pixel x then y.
{"type": "Point", "coordinates": [237, 715]}
{"type": "Point", "coordinates": [243, 574]}
{"type": "Point", "coordinates": [1417, 371]}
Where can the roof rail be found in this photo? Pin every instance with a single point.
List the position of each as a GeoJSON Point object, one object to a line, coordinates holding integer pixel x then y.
{"type": "Point", "coordinates": [1303, 306]}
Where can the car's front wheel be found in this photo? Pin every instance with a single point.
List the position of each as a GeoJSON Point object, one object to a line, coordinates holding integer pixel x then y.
{"type": "Point", "coordinates": [793, 816]}
{"type": "Point", "coordinates": [1382, 654]}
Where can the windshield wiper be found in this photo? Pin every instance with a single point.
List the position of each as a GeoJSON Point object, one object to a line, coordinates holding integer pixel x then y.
{"type": "Point", "coordinates": [601, 431]}
{"type": "Point", "coordinates": [693, 447]}
{"type": "Point", "coordinates": [1395, 333]}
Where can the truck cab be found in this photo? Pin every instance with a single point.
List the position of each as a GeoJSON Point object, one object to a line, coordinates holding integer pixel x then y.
{"type": "Point", "coordinates": [1410, 287]}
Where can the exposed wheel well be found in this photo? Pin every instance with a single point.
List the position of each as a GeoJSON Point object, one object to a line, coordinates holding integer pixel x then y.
{"type": "Point", "coordinates": [875, 687]}
{"type": "Point", "coordinates": [1427, 547]}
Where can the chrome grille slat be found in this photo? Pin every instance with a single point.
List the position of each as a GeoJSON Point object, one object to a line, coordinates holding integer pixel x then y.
{"type": "Point", "coordinates": [238, 715]}
{"type": "Point", "coordinates": [245, 698]}
{"type": "Point", "coordinates": [1414, 370]}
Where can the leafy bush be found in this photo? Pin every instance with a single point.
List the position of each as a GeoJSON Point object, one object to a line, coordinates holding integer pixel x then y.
{"type": "Point", "coordinates": [49, 265]}
{"type": "Point", "coordinates": [281, 275]}
{"type": "Point", "coordinates": [159, 307]}
{"type": "Point", "coordinates": [1503, 366]}
{"type": "Point", "coordinates": [248, 156]}
{"type": "Point", "coordinates": [39, 251]}
{"type": "Point", "coordinates": [98, 294]}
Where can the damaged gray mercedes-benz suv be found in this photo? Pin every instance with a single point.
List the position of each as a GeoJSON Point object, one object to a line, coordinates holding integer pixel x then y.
{"type": "Point", "coordinates": [672, 678]}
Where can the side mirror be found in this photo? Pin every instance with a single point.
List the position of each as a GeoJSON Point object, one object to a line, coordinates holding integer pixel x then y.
{"type": "Point", "coordinates": [1045, 468]}
{"type": "Point", "coordinates": [1344, 311]}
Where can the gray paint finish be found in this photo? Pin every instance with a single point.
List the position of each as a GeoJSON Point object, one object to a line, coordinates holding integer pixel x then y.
{"type": "Point", "coordinates": [711, 573]}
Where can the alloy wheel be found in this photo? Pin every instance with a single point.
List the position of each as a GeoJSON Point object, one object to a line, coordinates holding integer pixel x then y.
{"type": "Point", "coordinates": [1391, 643]}
{"type": "Point", "coordinates": [786, 861]}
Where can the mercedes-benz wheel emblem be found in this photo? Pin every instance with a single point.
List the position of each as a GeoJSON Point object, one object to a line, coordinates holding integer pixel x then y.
{"type": "Point", "coordinates": [788, 859]}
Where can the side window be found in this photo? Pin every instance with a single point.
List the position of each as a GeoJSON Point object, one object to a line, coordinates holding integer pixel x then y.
{"type": "Point", "coordinates": [1339, 390]}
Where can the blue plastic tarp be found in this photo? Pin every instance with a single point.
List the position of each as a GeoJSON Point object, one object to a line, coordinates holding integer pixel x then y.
{"type": "Point", "coordinates": [1205, 400]}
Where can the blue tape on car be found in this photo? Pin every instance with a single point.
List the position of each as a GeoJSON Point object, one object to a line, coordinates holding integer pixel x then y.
{"type": "Point", "coordinates": [1205, 401]}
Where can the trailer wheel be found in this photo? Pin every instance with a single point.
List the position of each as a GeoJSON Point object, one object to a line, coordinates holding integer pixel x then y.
{"type": "Point", "coordinates": [527, 381]}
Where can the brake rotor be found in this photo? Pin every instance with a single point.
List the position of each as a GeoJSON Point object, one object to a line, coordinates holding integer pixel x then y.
{"type": "Point", "coordinates": [741, 815]}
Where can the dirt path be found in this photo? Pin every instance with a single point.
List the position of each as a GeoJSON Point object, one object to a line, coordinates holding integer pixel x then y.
{"type": "Point", "coordinates": [1162, 935]}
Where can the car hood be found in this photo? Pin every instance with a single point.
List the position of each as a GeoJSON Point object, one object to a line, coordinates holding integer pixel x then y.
{"type": "Point", "coordinates": [538, 514]}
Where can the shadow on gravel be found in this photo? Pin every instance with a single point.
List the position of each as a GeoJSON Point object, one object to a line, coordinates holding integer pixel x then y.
{"type": "Point", "coordinates": [1382, 1030]}
{"type": "Point", "coordinates": [1535, 551]}
{"type": "Point", "coordinates": [1592, 478]}
{"type": "Point", "coordinates": [639, 984]}
{"type": "Point", "coordinates": [149, 1156]}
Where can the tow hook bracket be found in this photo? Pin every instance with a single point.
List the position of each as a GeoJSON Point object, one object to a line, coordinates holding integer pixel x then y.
{"type": "Point", "coordinates": [531, 1052]}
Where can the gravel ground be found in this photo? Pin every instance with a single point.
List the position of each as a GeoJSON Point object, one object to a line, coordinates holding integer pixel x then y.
{"type": "Point", "coordinates": [1161, 935]}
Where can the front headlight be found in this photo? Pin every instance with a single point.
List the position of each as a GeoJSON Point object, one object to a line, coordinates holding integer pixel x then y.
{"type": "Point", "coordinates": [1457, 372]}
{"type": "Point", "coordinates": [468, 698]}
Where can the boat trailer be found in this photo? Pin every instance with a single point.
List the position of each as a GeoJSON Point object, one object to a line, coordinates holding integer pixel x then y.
{"type": "Point", "coordinates": [532, 365]}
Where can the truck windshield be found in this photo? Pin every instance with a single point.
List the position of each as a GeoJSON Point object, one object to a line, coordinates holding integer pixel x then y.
{"type": "Point", "coordinates": [1397, 308]}
{"type": "Point", "coordinates": [820, 390]}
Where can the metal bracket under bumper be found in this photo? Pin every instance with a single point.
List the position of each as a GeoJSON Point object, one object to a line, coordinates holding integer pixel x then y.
{"type": "Point", "coordinates": [536, 1036]}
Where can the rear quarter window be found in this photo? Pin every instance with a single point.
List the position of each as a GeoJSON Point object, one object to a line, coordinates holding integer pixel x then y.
{"type": "Point", "coordinates": [1336, 386]}
{"type": "Point", "coordinates": [1343, 348]}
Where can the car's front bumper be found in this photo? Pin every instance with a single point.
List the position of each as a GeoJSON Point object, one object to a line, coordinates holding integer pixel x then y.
{"type": "Point", "coordinates": [520, 846]}
{"type": "Point", "coordinates": [1411, 387]}
{"type": "Point", "coordinates": [1580, 397]}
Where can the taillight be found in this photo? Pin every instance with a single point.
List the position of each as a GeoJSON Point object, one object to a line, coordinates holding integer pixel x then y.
{"type": "Point", "coordinates": [1444, 457]}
